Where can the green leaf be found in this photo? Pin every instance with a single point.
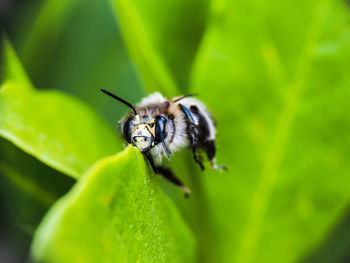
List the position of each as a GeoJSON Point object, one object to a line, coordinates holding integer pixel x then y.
{"type": "Point", "coordinates": [162, 38]}
{"type": "Point", "coordinates": [277, 81]}
{"type": "Point", "coordinates": [47, 28]}
{"type": "Point", "coordinates": [61, 54]}
{"type": "Point", "coordinates": [11, 67]}
{"type": "Point", "coordinates": [55, 128]}
{"type": "Point", "coordinates": [115, 213]}
{"type": "Point", "coordinates": [28, 188]}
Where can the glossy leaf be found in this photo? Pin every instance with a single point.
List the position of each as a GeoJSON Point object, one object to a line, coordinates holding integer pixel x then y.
{"type": "Point", "coordinates": [115, 213]}
{"type": "Point", "coordinates": [162, 39]}
{"type": "Point", "coordinates": [57, 129]}
{"type": "Point", "coordinates": [276, 79]}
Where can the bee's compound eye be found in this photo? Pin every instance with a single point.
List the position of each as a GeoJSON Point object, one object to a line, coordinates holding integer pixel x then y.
{"type": "Point", "coordinates": [127, 130]}
{"type": "Point", "coordinates": [160, 129]}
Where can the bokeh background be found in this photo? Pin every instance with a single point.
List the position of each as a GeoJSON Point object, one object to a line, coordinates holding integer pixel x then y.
{"type": "Point", "coordinates": [275, 75]}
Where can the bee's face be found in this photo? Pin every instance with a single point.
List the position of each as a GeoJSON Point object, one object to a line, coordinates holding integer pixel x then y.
{"type": "Point", "coordinates": [143, 136]}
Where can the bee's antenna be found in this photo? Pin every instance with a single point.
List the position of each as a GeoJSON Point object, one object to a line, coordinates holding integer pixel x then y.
{"type": "Point", "coordinates": [119, 99]}
{"type": "Point", "coordinates": [184, 96]}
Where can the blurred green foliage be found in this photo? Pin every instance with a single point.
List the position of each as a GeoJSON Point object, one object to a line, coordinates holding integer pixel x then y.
{"type": "Point", "coordinates": [274, 75]}
{"type": "Point", "coordinates": [160, 40]}
{"type": "Point", "coordinates": [27, 190]}
{"type": "Point", "coordinates": [37, 122]}
{"type": "Point", "coordinates": [284, 128]}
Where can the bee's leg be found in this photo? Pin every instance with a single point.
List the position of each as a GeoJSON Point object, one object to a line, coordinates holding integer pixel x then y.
{"type": "Point", "coordinates": [210, 149]}
{"type": "Point", "coordinates": [168, 174]}
{"type": "Point", "coordinates": [197, 158]}
{"type": "Point", "coordinates": [193, 135]}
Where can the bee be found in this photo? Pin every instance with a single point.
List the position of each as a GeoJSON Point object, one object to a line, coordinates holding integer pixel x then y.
{"type": "Point", "coordinates": [159, 127]}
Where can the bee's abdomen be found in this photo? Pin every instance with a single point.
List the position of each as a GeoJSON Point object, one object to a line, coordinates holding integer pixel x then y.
{"type": "Point", "coordinates": [192, 122]}
{"type": "Point", "coordinates": [203, 123]}
{"type": "Point", "coordinates": [203, 119]}
{"type": "Point", "coordinates": [180, 116]}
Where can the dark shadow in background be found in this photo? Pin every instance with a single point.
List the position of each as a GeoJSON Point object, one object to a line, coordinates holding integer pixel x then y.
{"type": "Point", "coordinates": [28, 188]}
{"type": "Point", "coordinates": [4, 10]}
{"type": "Point", "coordinates": [336, 247]}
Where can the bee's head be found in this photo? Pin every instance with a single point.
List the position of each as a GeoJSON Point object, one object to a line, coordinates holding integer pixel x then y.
{"type": "Point", "coordinates": [143, 135]}
{"type": "Point", "coordinates": [146, 135]}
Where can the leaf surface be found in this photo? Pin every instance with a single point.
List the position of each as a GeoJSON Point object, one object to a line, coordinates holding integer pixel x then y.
{"type": "Point", "coordinates": [55, 128]}
{"type": "Point", "coordinates": [115, 213]}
